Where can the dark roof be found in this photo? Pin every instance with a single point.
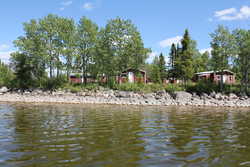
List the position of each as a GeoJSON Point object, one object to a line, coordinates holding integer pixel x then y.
{"type": "Point", "coordinates": [211, 72]}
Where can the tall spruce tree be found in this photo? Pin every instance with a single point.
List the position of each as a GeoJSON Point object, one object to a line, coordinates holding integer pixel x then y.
{"type": "Point", "coordinates": [186, 58]}
{"type": "Point", "coordinates": [172, 59]}
{"type": "Point", "coordinates": [162, 67]}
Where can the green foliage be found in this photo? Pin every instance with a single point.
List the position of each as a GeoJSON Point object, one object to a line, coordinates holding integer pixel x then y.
{"type": "Point", "coordinates": [86, 42]}
{"type": "Point", "coordinates": [149, 88]}
{"type": "Point", "coordinates": [170, 88]}
{"type": "Point", "coordinates": [223, 48]}
{"type": "Point", "coordinates": [181, 65]}
{"type": "Point", "coordinates": [120, 47]}
{"type": "Point", "coordinates": [128, 87]}
{"type": "Point", "coordinates": [154, 71]}
{"type": "Point", "coordinates": [54, 82]}
{"type": "Point", "coordinates": [24, 71]}
{"type": "Point", "coordinates": [172, 71]}
{"type": "Point", "coordinates": [162, 67]}
{"type": "Point", "coordinates": [201, 62]}
{"type": "Point", "coordinates": [6, 75]}
{"type": "Point", "coordinates": [185, 61]}
{"type": "Point", "coordinates": [242, 63]}
{"type": "Point", "coordinates": [202, 87]}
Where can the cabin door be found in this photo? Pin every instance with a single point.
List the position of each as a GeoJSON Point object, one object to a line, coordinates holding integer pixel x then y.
{"type": "Point", "coordinates": [131, 77]}
{"type": "Point", "coordinates": [224, 78]}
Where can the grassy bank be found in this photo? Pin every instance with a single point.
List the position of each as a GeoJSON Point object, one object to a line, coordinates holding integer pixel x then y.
{"type": "Point", "coordinates": [198, 88]}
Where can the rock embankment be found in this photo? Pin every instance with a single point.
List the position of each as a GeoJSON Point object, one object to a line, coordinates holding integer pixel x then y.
{"type": "Point", "coordinates": [125, 98]}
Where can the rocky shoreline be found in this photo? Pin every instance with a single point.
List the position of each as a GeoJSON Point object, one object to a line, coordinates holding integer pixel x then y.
{"type": "Point", "coordinates": [160, 98]}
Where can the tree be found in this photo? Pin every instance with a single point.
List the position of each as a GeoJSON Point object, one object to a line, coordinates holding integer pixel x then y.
{"type": "Point", "coordinates": [120, 47]}
{"type": "Point", "coordinates": [242, 63]}
{"type": "Point", "coordinates": [125, 44]}
{"type": "Point", "coordinates": [162, 67]}
{"type": "Point", "coordinates": [6, 75]}
{"type": "Point", "coordinates": [222, 49]}
{"type": "Point", "coordinates": [50, 30]}
{"type": "Point", "coordinates": [173, 71]}
{"type": "Point", "coordinates": [86, 43]}
{"type": "Point", "coordinates": [201, 62]}
{"type": "Point", "coordinates": [68, 38]}
{"type": "Point", "coordinates": [185, 60]}
{"type": "Point", "coordinates": [24, 71]}
{"type": "Point", "coordinates": [31, 51]}
{"type": "Point", "coordinates": [155, 74]}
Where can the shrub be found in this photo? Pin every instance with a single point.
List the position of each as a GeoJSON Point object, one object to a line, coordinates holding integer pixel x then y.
{"type": "Point", "coordinates": [128, 87]}
{"type": "Point", "coordinates": [170, 88]}
{"type": "Point", "coordinates": [203, 87]}
{"type": "Point", "coordinates": [54, 83]}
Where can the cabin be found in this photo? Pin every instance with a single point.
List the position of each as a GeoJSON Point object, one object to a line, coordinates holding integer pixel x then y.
{"type": "Point", "coordinates": [78, 78]}
{"type": "Point", "coordinates": [132, 76]}
{"type": "Point", "coordinates": [228, 76]}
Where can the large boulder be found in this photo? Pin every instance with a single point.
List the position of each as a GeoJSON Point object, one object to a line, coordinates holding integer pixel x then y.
{"type": "Point", "coordinates": [232, 96]}
{"type": "Point", "coordinates": [4, 90]}
{"type": "Point", "coordinates": [182, 98]}
{"type": "Point", "coordinates": [123, 94]}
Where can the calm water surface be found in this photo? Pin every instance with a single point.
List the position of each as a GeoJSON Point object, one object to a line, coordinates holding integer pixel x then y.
{"type": "Point", "coordinates": [119, 136]}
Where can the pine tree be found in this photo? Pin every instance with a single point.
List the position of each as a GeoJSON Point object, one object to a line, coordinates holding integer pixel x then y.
{"type": "Point", "coordinates": [156, 74]}
{"type": "Point", "coordinates": [171, 64]}
{"type": "Point", "coordinates": [186, 58]}
{"type": "Point", "coordinates": [162, 67]}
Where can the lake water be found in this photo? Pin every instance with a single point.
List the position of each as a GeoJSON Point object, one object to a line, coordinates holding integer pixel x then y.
{"type": "Point", "coordinates": [120, 136]}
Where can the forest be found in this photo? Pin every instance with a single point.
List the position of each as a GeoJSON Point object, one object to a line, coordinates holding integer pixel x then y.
{"type": "Point", "coordinates": [53, 47]}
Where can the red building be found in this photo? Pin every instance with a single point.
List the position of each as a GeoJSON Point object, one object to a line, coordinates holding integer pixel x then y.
{"type": "Point", "coordinates": [132, 76]}
{"type": "Point", "coordinates": [77, 78]}
{"type": "Point", "coordinates": [228, 77]}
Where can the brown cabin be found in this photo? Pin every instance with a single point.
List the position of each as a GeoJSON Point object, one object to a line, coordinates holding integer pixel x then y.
{"type": "Point", "coordinates": [77, 78]}
{"type": "Point", "coordinates": [228, 76]}
{"type": "Point", "coordinates": [132, 76]}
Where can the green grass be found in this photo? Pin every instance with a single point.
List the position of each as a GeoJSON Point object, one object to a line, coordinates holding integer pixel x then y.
{"type": "Point", "coordinates": [198, 88]}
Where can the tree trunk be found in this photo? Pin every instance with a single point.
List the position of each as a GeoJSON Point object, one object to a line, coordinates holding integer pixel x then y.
{"type": "Point", "coordinates": [50, 70]}
{"type": "Point", "coordinates": [221, 81]}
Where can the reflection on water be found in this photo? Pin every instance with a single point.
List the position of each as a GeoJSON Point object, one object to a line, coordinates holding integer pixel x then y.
{"type": "Point", "coordinates": [112, 136]}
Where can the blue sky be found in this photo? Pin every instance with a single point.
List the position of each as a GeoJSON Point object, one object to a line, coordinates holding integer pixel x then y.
{"type": "Point", "coordinates": [160, 22]}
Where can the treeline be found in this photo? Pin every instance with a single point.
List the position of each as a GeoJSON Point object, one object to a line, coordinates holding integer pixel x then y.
{"type": "Point", "coordinates": [56, 46]}
{"type": "Point", "coordinates": [184, 60]}
{"type": "Point", "coordinates": [53, 47]}
{"type": "Point", "coordinates": [229, 50]}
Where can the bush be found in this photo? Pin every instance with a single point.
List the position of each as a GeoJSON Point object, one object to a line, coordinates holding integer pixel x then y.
{"type": "Point", "coordinates": [203, 87]}
{"type": "Point", "coordinates": [170, 88]}
{"type": "Point", "coordinates": [128, 87]}
{"type": "Point", "coordinates": [153, 87]}
{"type": "Point", "coordinates": [54, 83]}
{"type": "Point", "coordinates": [72, 88]}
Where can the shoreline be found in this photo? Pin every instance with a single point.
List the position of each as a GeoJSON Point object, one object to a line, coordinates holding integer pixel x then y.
{"type": "Point", "coordinates": [110, 97]}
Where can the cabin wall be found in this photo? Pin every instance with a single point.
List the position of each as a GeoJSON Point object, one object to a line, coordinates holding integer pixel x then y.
{"type": "Point", "coordinates": [228, 79]}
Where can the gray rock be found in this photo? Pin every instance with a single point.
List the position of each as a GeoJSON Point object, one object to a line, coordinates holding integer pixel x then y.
{"type": "Point", "coordinates": [148, 95]}
{"type": "Point", "coordinates": [213, 95]}
{"type": "Point", "coordinates": [233, 96]}
{"type": "Point", "coordinates": [4, 90]}
{"type": "Point", "coordinates": [37, 92]}
{"type": "Point", "coordinates": [218, 96]}
{"type": "Point", "coordinates": [182, 98]}
{"type": "Point", "coordinates": [182, 95]}
{"type": "Point", "coordinates": [122, 94]}
{"type": "Point", "coordinates": [161, 93]}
